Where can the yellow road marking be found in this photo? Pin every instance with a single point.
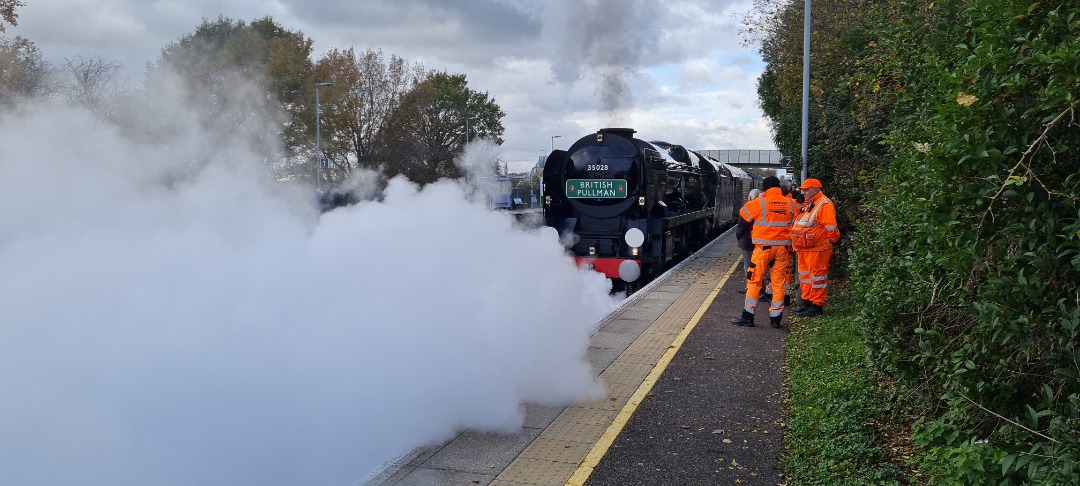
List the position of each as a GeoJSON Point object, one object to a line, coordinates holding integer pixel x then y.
{"type": "Point", "coordinates": [585, 469]}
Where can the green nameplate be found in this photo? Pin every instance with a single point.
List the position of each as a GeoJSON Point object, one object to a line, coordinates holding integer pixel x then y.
{"type": "Point", "coordinates": [607, 188]}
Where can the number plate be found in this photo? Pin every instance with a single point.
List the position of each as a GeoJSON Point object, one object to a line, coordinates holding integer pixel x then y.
{"type": "Point", "coordinates": [605, 188]}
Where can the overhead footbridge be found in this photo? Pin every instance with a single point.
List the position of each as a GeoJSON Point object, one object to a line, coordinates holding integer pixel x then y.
{"type": "Point", "coordinates": [750, 159]}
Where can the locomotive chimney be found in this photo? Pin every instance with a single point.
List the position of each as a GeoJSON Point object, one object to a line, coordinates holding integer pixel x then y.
{"type": "Point", "coordinates": [621, 132]}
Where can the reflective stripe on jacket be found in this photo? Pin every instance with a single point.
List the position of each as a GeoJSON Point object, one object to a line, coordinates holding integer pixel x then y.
{"type": "Point", "coordinates": [816, 228]}
{"type": "Point", "coordinates": [772, 214]}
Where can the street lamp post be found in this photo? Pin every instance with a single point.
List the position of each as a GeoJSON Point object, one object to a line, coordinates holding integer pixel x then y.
{"type": "Point", "coordinates": [540, 196]}
{"type": "Point", "coordinates": [466, 144]}
{"type": "Point", "coordinates": [804, 149]}
{"type": "Point", "coordinates": [319, 159]}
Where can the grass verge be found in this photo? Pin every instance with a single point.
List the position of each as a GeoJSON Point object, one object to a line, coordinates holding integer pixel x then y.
{"type": "Point", "coordinates": [836, 432]}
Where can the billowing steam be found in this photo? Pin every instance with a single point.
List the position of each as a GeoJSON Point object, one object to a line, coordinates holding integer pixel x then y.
{"type": "Point", "coordinates": [172, 317]}
{"type": "Point", "coordinates": [606, 40]}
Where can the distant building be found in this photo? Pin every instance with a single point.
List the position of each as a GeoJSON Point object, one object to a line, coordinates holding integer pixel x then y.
{"type": "Point", "coordinates": [539, 167]}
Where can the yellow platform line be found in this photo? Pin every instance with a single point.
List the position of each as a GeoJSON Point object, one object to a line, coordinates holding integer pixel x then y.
{"type": "Point", "coordinates": [585, 469]}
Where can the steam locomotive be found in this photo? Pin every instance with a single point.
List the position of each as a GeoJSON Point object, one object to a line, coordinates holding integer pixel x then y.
{"type": "Point", "coordinates": [629, 209]}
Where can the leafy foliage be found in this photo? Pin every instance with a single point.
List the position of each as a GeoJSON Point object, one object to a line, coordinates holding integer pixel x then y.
{"type": "Point", "coordinates": [391, 115]}
{"type": "Point", "coordinates": [958, 121]}
{"type": "Point", "coordinates": [367, 90]}
{"type": "Point", "coordinates": [428, 131]}
{"type": "Point", "coordinates": [972, 262]}
{"type": "Point", "coordinates": [7, 12]}
{"type": "Point", "coordinates": [842, 150]}
{"type": "Point", "coordinates": [241, 72]}
{"type": "Point", "coordinates": [23, 71]}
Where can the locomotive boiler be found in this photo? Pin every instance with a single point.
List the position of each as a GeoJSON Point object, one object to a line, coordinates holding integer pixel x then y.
{"type": "Point", "coordinates": [629, 208]}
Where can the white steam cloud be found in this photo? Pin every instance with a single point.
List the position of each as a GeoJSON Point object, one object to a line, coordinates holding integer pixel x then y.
{"type": "Point", "coordinates": [170, 316]}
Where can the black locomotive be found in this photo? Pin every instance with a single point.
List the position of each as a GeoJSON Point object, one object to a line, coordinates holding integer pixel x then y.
{"type": "Point", "coordinates": [629, 208]}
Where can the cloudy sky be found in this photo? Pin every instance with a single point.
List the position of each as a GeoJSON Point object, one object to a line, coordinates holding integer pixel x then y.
{"type": "Point", "coordinates": [674, 70]}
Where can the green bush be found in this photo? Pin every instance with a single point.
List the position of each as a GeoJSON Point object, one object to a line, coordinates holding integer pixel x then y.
{"type": "Point", "coordinates": [971, 261]}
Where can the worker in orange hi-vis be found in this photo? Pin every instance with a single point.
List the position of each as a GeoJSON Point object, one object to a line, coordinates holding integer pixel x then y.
{"type": "Point", "coordinates": [772, 214]}
{"type": "Point", "coordinates": [813, 234]}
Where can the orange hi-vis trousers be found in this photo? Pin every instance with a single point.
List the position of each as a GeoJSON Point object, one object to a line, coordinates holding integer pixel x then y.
{"type": "Point", "coordinates": [759, 264]}
{"type": "Point", "coordinates": [814, 275]}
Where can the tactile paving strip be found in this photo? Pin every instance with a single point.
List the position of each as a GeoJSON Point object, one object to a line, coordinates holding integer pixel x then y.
{"type": "Point", "coordinates": [536, 472]}
{"type": "Point", "coordinates": [573, 432]}
{"type": "Point", "coordinates": [556, 450]}
{"type": "Point", "coordinates": [591, 416]}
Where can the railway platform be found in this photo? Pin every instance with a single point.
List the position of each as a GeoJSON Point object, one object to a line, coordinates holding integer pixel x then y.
{"type": "Point", "coordinates": [691, 399]}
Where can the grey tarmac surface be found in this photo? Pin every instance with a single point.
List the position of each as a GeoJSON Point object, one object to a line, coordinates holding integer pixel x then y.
{"type": "Point", "coordinates": [715, 415]}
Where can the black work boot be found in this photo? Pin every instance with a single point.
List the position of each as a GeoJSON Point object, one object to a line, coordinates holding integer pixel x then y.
{"type": "Point", "coordinates": [812, 310]}
{"type": "Point", "coordinates": [747, 320]}
{"type": "Point", "coordinates": [774, 321]}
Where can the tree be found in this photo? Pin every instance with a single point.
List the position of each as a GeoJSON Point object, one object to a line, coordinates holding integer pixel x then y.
{"type": "Point", "coordinates": [842, 148]}
{"type": "Point", "coordinates": [23, 71]}
{"type": "Point", "coordinates": [367, 89]}
{"type": "Point", "coordinates": [93, 83]}
{"type": "Point", "coordinates": [7, 12]}
{"type": "Point", "coordinates": [238, 73]}
{"type": "Point", "coordinates": [432, 125]}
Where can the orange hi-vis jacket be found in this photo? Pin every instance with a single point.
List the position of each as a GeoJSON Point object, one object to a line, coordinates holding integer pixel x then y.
{"type": "Point", "coordinates": [816, 228]}
{"type": "Point", "coordinates": [772, 214]}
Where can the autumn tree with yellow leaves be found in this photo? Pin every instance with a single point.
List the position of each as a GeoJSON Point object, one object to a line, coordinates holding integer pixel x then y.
{"type": "Point", "coordinates": [368, 88]}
